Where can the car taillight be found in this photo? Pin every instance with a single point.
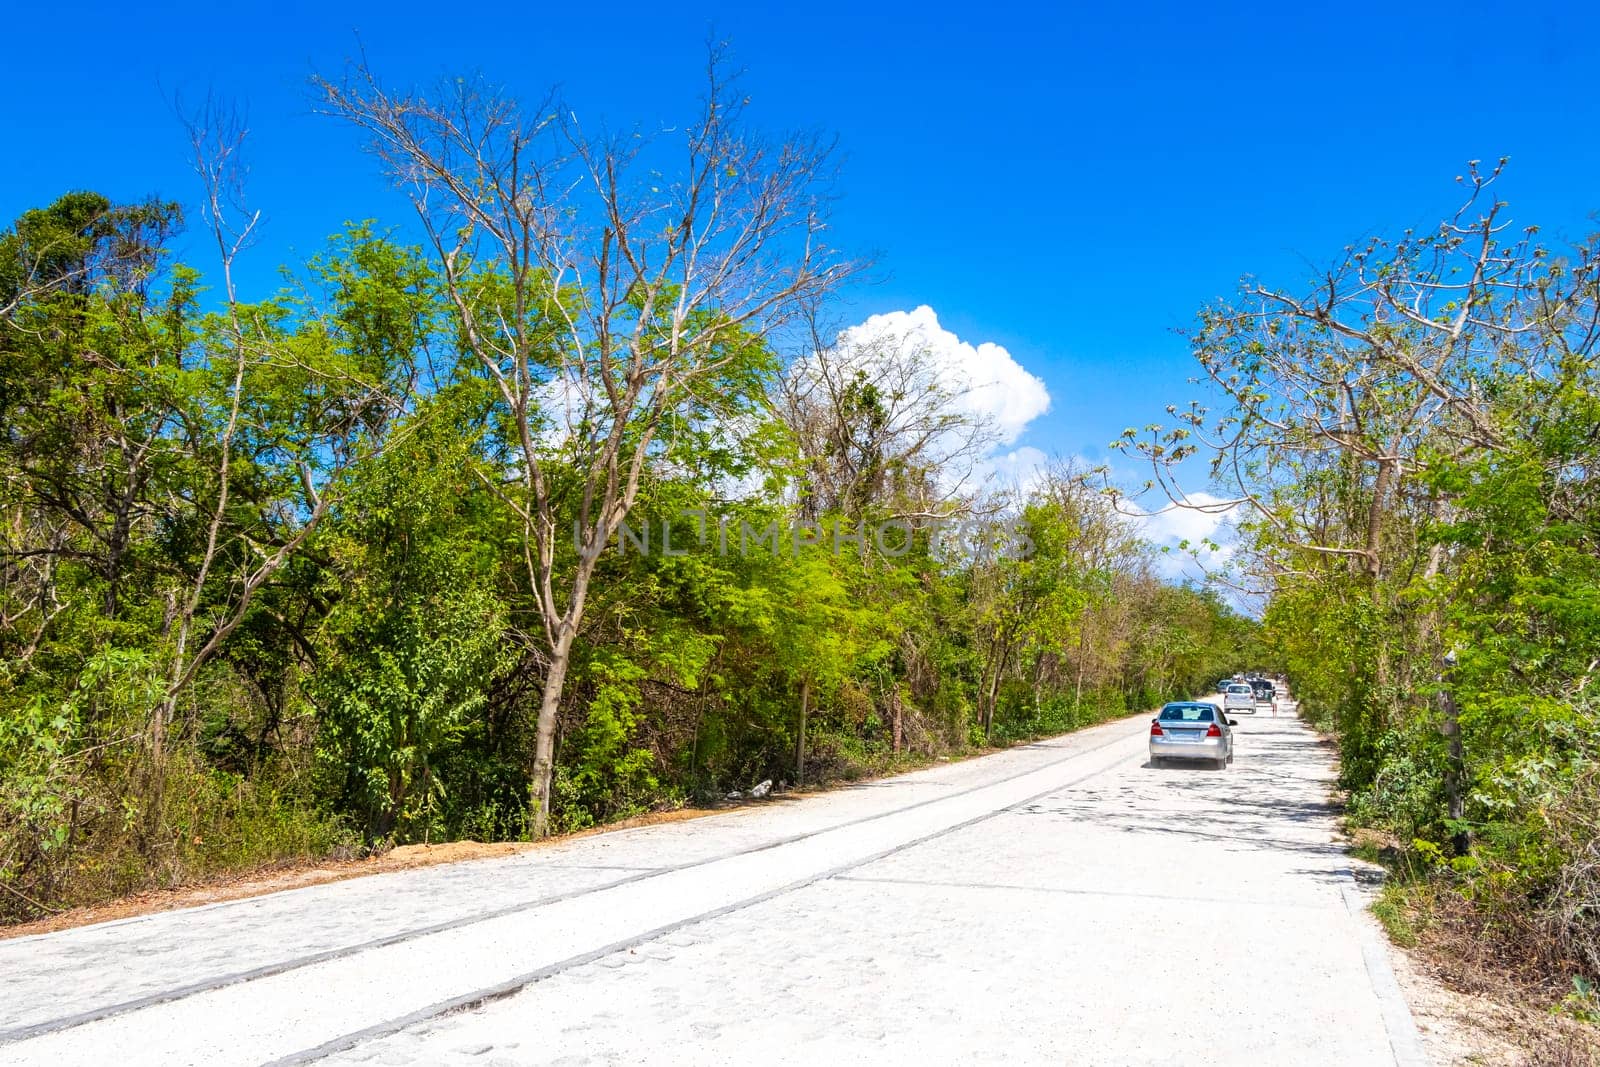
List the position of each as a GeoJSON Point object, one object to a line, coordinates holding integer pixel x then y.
{"type": "Point", "coordinates": [1155, 729]}
{"type": "Point", "coordinates": [1215, 731]}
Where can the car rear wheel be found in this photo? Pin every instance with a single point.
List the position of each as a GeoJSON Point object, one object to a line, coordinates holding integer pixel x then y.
{"type": "Point", "coordinates": [1221, 764]}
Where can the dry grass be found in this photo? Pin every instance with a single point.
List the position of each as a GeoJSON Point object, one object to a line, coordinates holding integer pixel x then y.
{"type": "Point", "coordinates": [1497, 982]}
{"type": "Point", "coordinates": [294, 876]}
{"type": "Point", "coordinates": [273, 878]}
{"type": "Point", "coordinates": [1490, 976]}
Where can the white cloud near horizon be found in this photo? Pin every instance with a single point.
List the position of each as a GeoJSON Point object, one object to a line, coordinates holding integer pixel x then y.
{"type": "Point", "coordinates": [983, 381]}
{"type": "Point", "coordinates": [985, 378]}
{"type": "Point", "coordinates": [1020, 470]}
{"type": "Point", "coordinates": [1170, 527]}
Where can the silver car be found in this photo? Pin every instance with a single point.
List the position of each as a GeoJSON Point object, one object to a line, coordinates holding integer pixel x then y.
{"type": "Point", "coordinates": [1188, 730]}
{"type": "Point", "coordinates": [1240, 696]}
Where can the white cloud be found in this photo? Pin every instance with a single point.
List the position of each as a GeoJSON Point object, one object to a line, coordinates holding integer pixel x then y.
{"type": "Point", "coordinates": [1021, 469]}
{"type": "Point", "coordinates": [1178, 524]}
{"type": "Point", "coordinates": [563, 401]}
{"type": "Point", "coordinates": [1172, 527]}
{"type": "Point", "coordinates": [985, 377]}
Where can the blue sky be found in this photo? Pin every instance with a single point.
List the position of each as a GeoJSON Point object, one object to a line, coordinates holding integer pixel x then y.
{"type": "Point", "coordinates": [1069, 185]}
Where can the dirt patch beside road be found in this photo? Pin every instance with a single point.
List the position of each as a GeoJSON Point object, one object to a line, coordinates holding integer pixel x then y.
{"type": "Point", "coordinates": [273, 880]}
{"type": "Point", "coordinates": [1461, 1029]}
{"type": "Point", "coordinates": [406, 857]}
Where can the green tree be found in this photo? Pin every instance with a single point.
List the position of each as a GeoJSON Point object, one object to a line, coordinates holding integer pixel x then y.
{"type": "Point", "coordinates": [599, 326]}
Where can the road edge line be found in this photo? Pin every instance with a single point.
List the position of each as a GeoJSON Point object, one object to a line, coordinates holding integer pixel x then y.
{"type": "Point", "coordinates": [29, 1031]}
{"type": "Point", "coordinates": [510, 987]}
{"type": "Point", "coordinates": [1405, 1040]}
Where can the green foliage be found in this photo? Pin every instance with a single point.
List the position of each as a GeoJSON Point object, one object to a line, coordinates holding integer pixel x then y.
{"type": "Point", "coordinates": [272, 596]}
{"type": "Point", "coordinates": [1582, 1003]}
{"type": "Point", "coordinates": [1391, 910]}
{"type": "Point", "coordinates": [416, 639]}
{"type": "Point", "coordinates": [1419, 436]}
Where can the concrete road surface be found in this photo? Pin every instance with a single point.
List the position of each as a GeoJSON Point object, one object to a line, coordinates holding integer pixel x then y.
{"type": "Point", "coordinates": [1057, 903]}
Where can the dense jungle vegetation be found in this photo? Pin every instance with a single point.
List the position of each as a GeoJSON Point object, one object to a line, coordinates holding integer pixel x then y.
{"type": "Point", "coordinates": [352, 563]}
{"type": "Point", "coordinates": [1414, 441]}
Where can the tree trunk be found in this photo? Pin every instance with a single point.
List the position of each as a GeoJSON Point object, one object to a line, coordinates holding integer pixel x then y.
{"type": "Point", "coordinates": [993, 699]}
{"type": "Point", "coordinates": [1455, 770]}
{"type": "Point", "coordinates": [984, 688]}
{"type": "Point", "coordinates": [896, 721]}
{"type": "Point", "coordinates": [800, 735]}
{"type": "Point", "coordinates": [1381, 485]}
{"type": "Point", "coordinates": [1077, 695]}
{"type": "Point", "coordinates": [544, 747]}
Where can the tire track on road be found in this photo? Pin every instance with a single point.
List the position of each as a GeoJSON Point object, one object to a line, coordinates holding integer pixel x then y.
{"type": "Point", "coordinates": [501, 990]}
{"type": "Point", "coordinates": [17, 1034]}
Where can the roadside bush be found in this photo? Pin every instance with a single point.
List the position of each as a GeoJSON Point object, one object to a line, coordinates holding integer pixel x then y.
{"type": "Point", "coordinates": [269, 607]}
{"type": "Point", "coordinates": [1404, 794]}
{"type": "Point", "coordinates": [1569, 905]}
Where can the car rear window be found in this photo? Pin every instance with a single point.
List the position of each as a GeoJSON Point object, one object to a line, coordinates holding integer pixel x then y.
{"type": "Point", "coordinates": [1240, 688]}
{"type": "Point", "coordinates": [1187, 713]}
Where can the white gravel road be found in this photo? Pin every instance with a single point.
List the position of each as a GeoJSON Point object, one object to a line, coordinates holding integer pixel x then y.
{"type": "Point", "coordinates": [1057, 903]}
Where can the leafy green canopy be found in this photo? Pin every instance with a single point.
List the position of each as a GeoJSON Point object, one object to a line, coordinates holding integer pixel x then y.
{"type": "Point", "coordinates": [321, 489]}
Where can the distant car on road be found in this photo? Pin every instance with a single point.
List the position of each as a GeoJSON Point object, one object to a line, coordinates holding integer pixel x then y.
{"type": "Point", "coordinates": [1239, 696]}
{"type": "Point", "coordinates": [1263, 690]}
{"type": "Point", "coordinates": [1187, 730]}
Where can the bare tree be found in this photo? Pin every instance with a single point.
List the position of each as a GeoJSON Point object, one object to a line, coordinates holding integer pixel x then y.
{"type": "Point", "coordinates": [613, 280]}
{"type": "Point", "coordinates": [879, 426]}
{"type": "Point", "coordinates": [234, 563]}
{"type": "Point", "coordinates": [1383, 356]}
{"type": "Point", "coordinates": [1337, 401]}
